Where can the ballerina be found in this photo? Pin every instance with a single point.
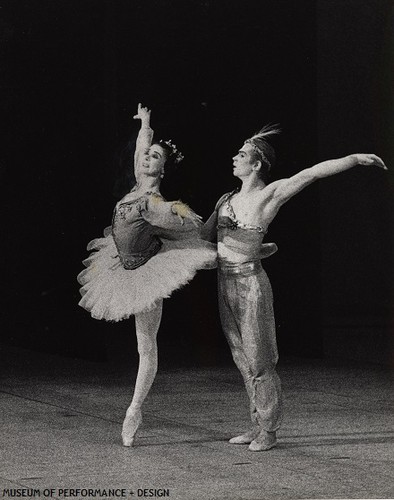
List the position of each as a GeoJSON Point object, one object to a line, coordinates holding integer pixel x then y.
{"type": "Point", "coordinates": [152, 249]}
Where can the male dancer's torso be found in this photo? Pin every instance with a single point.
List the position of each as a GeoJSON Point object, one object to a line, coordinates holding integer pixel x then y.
{"type": "Point", "coordinates": [237, 242]}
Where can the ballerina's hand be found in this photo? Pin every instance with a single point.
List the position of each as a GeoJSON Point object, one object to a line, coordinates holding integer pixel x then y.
{"type": "Point", "coordinates": [143, 114]}
{"type": "Point", "coordinates": [370, 160]}
{"type": "Point", "coordinates": [184, 212]}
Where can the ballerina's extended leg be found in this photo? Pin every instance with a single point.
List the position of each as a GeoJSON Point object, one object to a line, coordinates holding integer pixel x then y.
{"type": "Point", "coordinates": [147, 325]}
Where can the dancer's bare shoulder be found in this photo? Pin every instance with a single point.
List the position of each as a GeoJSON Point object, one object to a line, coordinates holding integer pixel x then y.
{"type": "Point", "coordinates": [266, 205]}
{"type": "Point", "coordinates": [267, 194]}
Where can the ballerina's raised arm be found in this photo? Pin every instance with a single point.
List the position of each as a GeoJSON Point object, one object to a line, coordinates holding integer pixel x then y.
{"type": "Point", "coordinates": [144, 139]}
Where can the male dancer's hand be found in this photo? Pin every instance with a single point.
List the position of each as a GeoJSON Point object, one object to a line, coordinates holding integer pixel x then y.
{"type": "Point", "coordinates": [370, 160]}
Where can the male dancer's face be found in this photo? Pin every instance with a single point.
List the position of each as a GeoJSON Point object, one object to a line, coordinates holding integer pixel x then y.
{"type": "Point", "coordinates": [243, 163]}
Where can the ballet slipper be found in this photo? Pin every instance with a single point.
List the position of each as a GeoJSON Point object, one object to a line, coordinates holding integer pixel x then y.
{"type": "Point", "coordinates": [130, 426]}
{"type": "Point", "coordinates": [263, 442]}
{"type": "Point", "coordinates": [246, 438]}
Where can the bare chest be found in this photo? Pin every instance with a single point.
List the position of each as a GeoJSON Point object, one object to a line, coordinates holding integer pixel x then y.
{"type": "Point", "coordinates": [247, 210]}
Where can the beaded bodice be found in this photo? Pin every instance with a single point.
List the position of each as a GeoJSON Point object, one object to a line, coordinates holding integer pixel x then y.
{"type": "Point", "coordinates": [134, 236]}
{"type": "Point", "coordinates": [138, 226]}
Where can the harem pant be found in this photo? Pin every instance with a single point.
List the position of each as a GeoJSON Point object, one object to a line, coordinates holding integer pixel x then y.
{"type": "Point", "coordinates": [247, 317]}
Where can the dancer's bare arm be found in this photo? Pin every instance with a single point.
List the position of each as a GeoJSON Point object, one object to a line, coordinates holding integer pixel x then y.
{"type": "Point", "coordinates": [287, 188]}
{"type": "Point", "coordinates": [145, 135]}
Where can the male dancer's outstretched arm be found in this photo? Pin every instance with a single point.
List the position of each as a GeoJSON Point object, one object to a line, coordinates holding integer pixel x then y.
{"type": "Point", "coordinates": [287, 188]}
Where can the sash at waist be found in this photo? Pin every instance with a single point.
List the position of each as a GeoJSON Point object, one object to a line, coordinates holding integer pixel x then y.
{"type": "Point", "coordinates": [244, 268]}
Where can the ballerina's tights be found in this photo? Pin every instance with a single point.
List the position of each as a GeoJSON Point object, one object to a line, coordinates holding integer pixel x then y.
{"type": "Point", "coordinates": [147, 325]}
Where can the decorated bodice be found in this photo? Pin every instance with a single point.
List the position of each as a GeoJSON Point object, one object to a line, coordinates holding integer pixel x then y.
{"type": "Point", "coordinates": [237, 241]}
{"type": "Point", "coordinates": [135, 237]}
{"type": "Point", "coordinates": [138, 225]}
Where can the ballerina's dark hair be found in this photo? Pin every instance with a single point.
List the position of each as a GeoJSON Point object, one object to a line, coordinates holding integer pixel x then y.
{"type": "Point", "coordinates": [173, 155]}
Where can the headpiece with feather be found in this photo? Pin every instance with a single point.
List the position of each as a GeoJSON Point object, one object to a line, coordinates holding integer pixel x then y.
{"type": "Point", "coordinates": [261, 146]}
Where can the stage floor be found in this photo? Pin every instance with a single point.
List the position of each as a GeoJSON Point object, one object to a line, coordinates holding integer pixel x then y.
{"type": "Point", "coordinates": [61, 420]}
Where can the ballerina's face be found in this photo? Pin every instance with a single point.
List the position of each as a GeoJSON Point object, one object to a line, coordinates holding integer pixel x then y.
{"type": "Point", "coordinates": [154, 160]}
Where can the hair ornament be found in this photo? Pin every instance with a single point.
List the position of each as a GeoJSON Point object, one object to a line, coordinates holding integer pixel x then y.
{"type": "Point", "coordinates": [267, 130]}
{"type": "Point", "coordinates": [178, 156]}
{"type": "Point", "coordinates": [259, 138]}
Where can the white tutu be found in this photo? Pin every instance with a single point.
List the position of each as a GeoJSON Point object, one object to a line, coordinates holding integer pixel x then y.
{"type": "Point", "coordinates": [113, 293]}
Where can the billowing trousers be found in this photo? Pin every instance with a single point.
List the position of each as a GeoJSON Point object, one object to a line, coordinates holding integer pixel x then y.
{"type": "Point", "coordinates": [247, 317]}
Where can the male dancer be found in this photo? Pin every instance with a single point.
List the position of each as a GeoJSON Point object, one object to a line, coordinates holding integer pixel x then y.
{"type": "Point", "coordinates": [241, 219]}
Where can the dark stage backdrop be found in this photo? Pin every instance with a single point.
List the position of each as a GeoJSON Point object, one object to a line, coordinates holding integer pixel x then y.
{"type": "Point", "coordinates": [72, 73]}
{"type": "Point", "coordinates": [355, 103]}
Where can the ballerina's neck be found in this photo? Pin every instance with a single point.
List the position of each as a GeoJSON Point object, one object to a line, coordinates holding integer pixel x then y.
{"type": "Point", "coordinates": [146, 188]}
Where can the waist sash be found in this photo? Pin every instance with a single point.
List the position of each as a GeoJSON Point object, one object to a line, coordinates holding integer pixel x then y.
{"type": "Point", "coordinates": [244, 268]}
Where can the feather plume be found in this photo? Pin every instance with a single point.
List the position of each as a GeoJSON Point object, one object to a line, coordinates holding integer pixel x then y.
{"type": "Point", "coordinates": [266, 131]}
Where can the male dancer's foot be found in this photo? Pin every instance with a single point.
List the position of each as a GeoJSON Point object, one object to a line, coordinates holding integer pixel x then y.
{"type": "Point", "coordinates": [246, 438]}
{"type": "Point", "coordinates": [130, 426]}
{"type": "Point", "coordinates": [263, 442]}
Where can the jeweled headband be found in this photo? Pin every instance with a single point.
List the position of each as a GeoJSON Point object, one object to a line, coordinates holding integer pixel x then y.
{"type": "Point", "coordinates": [265, 132]}
{"type": "Point", "coordinates": [259, 151]}
{"type": "Point", "coordinates": [178, 156]}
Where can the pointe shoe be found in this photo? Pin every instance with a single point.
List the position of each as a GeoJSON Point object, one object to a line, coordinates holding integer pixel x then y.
{"type": "Point", "coordinates": [130, 426]}
{"type": "Point", "coordinates": [246, 438]}
{"type": "Point", "coordinates": [263, 442]}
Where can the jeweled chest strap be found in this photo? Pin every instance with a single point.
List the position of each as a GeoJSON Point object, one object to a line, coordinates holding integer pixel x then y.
{"type": "Point", "coordinates": [235, 223]}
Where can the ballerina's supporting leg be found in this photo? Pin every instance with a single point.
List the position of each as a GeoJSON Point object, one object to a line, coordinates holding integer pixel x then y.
{"type": "Point", "coordinates": [147, 325]}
